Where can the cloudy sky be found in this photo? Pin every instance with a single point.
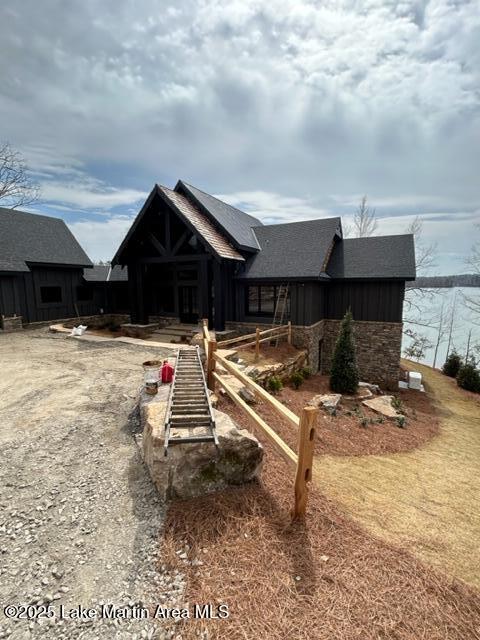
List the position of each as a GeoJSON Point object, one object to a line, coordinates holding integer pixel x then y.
{"type": "Point", "coordinates": [288, 109]}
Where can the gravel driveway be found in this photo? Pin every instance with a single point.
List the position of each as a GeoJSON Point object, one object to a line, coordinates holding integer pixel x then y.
{"type": "Point", "coordinates": [79, 517]}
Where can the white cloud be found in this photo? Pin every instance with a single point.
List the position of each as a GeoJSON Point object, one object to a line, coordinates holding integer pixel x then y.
{"type": "Point", "coordinates": [101, 239]}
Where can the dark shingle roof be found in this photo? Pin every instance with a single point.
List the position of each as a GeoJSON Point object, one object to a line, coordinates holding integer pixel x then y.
{"type": "Point", "coordinates": [292, 250]}
{"type": "Point", "coordinates": [29, 237]}
{"type": "Point", "coordinates": [376, 257]}
{"type": "Point", "coordinates": [106, 273]}
{"type": "Point", "coordinates": [235, 223]}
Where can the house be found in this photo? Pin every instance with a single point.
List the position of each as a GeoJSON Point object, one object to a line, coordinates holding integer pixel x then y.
{"type": "Point", "coordinates": [190, 256]}
{"type": "Point", "coordinates": [109, 287]}
{"type": "Point", "coordinates": [41, 269]}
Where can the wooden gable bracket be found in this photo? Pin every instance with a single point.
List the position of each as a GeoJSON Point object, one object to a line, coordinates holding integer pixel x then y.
{"type": "Point", "coordinates": [157, 244]}
{"type": "Point", "coordinates": [180, 241]}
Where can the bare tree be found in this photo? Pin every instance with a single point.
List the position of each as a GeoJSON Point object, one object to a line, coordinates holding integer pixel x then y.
{"type": "Point", "coordinates": [418, 346]}
{"type": "Point", "coordinates": [364, 221]}
{"type": "Point", "coordinates": [473, 302]}
{"type": "Point", "coordinates": [17, 189]}
{"type": "Point", "coordinates": [425, 257]}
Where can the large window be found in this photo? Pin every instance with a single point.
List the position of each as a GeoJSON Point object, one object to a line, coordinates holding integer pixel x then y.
{"type": "Point", "coordinates": [261, 300]}
{"type": "Point", "coordinates": [50, 295]}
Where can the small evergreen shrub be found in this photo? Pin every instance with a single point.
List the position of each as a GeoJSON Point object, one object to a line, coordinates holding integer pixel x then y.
{"type": "Point", "coordinates": [344, 373]}
{"type": "Point", "coordinates": [468, 377]}
{"type": "Point", "coordinates": [401, 422]}
{"type": "Point", "coordinates": [274, 384]}
{"type": "Point", "coordinates": [364, 422]}
{"type": "Point", "coordinates": [397, 404]}
{"type": "Point", "coordinates": [452, 365]}
{"type": "Point", "coordinates": [296, 379]}
{"type": "Point", "coordinates": [306, 372]}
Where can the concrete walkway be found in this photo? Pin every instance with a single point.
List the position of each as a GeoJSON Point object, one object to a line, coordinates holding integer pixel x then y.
{"type": "Point", "coordinates": [426, 500]}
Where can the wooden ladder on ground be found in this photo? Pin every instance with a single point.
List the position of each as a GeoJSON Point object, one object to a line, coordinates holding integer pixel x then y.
{"type": "Point", "coordinates": [189, 404]}
{"type": "Point", "coordinates": [280, 308]}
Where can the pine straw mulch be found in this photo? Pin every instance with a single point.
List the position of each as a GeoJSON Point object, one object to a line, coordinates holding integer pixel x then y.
{"type": "Point", "coordinates": [325, 579]}
{"type": "Point", "coordinates": [343, 434]}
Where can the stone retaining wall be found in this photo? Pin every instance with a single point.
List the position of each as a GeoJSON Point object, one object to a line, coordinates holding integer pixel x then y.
{"type": "Point", "coordinates": [11, 324]}
{"type": "Point", "coordinates": [99, 321]}
{"type": "Point", "coordinates": [378, 346]}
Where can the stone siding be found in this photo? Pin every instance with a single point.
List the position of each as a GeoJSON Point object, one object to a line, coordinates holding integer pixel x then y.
{"type": "Point", "coordinates": [378, 349]}
{"type": "Point", "coordinates": [308, 338]}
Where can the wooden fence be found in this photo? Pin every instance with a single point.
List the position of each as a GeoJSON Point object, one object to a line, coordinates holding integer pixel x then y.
{"type": "Point", "coordinates": [305, 424]}
{"type": "Point", "coordinates": [257, 338]}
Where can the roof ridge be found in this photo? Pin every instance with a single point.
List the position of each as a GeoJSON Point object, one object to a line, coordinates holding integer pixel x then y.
{"type": "Point", "coordinates": [284, 224]}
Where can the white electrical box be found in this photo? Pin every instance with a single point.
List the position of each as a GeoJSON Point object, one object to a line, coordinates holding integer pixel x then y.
{"type": "Point", "coordinates": [415, 380]}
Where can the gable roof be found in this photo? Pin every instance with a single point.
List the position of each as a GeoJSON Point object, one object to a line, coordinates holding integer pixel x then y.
{"type": "Point", "coordinates": [106, 273]}
{"type": "Point", "coordinates": [32, 238]}
{"type": "Point", "coordinates": [202, 225]}
{"type": "Point", "coordinates": [293, 250]}
{"type": "Point", "coordinates": [237, 225]}
{"type": "Point", "coordinates": [378, 257]}
{"type": "Point", "coordinates": [193, 218]}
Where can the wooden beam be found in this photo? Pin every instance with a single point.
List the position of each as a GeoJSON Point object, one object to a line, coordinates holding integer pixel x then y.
{"type": "Point", "coordinates": [306, 443]}
{"type": "Point", "coordinates": [180, 241]}
{"type": "Point", "coordinates": [212, 346]}
{"type": "Point", "coordinates": [260, 391]}
{"type": "Point", "coordinates": [174, 259]}
{"type": "Point", "coordinates": [157, 244]}
{"type": "Point", "coordinates": [274, 438]}
{"type": "Point", "coordinates": [168, 239]}
{"type": "Point", "coordinates": [223, 343]}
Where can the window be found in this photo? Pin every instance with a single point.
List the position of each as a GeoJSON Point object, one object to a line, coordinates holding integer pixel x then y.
{"type": "Point", "coordinates": [50, 295]}
{"type": "Point", "coordinates": [261, 300]}
{"type": "Point", "coordinates": [84, 293]}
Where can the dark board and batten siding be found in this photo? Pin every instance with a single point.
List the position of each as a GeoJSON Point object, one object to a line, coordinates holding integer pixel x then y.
{"type": "Point", "coordinates": [378, 301]}
{"type": "Point", "coordinates": [375, 301]}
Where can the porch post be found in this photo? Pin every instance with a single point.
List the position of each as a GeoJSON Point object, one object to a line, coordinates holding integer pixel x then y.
{"type": "Point", "coordinates": [135, 278]}
{"type": "Point", "coordinates": [219, 296]}
{"type": "Point", "coordinates": [203, 292]}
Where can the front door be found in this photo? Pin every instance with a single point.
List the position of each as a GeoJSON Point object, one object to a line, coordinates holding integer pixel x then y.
{"type": "Point", "coordinates": [188, 304]}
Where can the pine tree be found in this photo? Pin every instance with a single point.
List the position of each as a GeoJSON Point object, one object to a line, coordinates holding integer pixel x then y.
{"type": "Point", "coordinates": [344, 372]}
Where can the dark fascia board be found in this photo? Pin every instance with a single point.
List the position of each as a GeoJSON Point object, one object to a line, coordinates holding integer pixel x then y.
{"type": "Point", "coordinates": [254, 281]}
{"type": "Point", "coordinates": [376, 279]}
{"type": "Point", "coordinates": [187, 222]}
{"type": "Point", "coordinates": [180, 188]}
{"type": "Point", "coordinates": [55, 265]}
{"type": "Point", "coordinates": [136, 222]}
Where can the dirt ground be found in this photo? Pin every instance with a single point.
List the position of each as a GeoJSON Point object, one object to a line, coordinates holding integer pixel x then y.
{"type": "Point", "coordinates": [428, 499]}
{"type": "Point", "coordinates": [78, 513]}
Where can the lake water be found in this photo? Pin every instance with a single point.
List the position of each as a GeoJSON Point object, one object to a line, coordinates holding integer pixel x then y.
{"type": "Point", "coordinates": [464, 321]}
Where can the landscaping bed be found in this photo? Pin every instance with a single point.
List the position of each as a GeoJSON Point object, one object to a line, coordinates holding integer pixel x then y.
{"type": "Point", "coordinates": [354, 430]}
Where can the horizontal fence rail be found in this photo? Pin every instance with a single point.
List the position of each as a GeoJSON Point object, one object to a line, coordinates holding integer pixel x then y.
{"type": "Point", "coordinates": [305, 424]}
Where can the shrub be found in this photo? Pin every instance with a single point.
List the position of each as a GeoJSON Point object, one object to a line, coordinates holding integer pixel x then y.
{"type": "Point", "coordinates": [344, 373]}
{"type": "Point", "coordinates": [397, 404]}
{"type": "Point", "coordinates": [469, 377]}
{"type": "Point", "coordinates": [296, 379]}
{"type": "Point", "coordinates": [274, 384]}
{"type": "Point", "coordinates": [306, 372]}
{"type": "Point", "coordinates": [452, 365]}
{"type": "Point", "coordinates": [401, 422]}
{"type": "Point", "coordinates": [364, 422]}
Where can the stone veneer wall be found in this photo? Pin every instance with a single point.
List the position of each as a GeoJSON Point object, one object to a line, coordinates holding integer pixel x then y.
{"type": "Point", "coordinates": [378, 347]}
{"type": "Point", "coordinates": [378, 350]}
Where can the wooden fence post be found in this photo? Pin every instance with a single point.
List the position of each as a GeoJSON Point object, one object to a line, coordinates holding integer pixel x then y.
{"type": "Point", "coordinates": [306, 442]}
{"type": "Point", "coordinates": [212, 347]}
{"type": "Point", "coordinates": [257, 344]}
{"type": "Point", "coordinates": [289, 334]}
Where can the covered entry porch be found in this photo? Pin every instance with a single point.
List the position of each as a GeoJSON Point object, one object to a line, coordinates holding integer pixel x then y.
{"type": "Point", "coordinates": [179, 264]}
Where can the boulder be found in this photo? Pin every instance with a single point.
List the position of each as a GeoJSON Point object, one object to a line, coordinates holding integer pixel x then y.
{"type": "Point", "coordinates": [328, 401]}
{"type": "Point", "coordinates": [247, 395]}
{"type": "Point", "coordinates": [191, 470]}
{"type": "Point", "coordinates": [382, 405]}
{"type": "Point", "coordinates": [373, 388]}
